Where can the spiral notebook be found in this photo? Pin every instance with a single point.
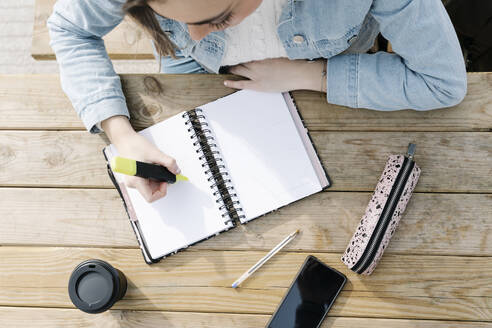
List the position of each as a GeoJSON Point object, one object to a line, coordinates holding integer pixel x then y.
{"type": "Point", "coordinates": [245, 155]}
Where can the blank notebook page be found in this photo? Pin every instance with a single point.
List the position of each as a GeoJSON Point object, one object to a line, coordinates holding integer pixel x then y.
{"type": "Point", "coordinates": [266, 158]}
{"type": "Point", "coordinates": [189, 212]}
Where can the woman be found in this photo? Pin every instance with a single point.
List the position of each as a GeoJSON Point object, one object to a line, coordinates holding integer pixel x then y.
{"type": "Point", "coordinates": [279, 45]}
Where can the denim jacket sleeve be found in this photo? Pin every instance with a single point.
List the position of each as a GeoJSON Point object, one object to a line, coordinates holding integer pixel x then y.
{"type": "Point", "coordinates": [87, 76]}
{"type": "Point", "coordinates": [426, 72]}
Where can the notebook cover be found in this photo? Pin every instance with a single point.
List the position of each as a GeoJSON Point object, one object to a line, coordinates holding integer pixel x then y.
{"type": "Point", "coordinates": [308, 142]}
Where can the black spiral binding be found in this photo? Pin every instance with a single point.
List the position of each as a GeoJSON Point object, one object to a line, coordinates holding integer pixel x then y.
{"type": "Point", "coordinates": [213, 164]}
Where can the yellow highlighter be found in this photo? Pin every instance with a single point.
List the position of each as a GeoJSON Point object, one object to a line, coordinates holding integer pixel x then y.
{"type": "Point", "coordinates": [144, 170]}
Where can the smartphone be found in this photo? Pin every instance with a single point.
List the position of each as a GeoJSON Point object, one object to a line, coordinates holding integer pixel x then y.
{"type": "Point", "coordinates": [310, 296]}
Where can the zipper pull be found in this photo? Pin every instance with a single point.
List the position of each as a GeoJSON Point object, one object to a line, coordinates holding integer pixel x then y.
{"type": "Point", "coordinates": [411, 150]}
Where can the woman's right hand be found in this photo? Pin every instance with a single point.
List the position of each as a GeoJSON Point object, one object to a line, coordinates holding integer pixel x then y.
{"type": "Point", "coordinates": [134, 146]}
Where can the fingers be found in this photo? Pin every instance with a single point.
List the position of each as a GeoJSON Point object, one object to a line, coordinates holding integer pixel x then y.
{"type": "Point", "coordinates": [158, 189]}
{"type": "Point", "coordinates": [167, 161]}
{"type": "Point", "coordinates": [243, 84]}
{"type": "Point", "coordinates": [131, 181]}
{"type": "Point", "coordinates": [143, 150]}
{"type": "Point", "coordinates": [246, 71]}
{"type": "Point", "coordinates": [142, 185]}
{"type": "Point", "coordinates": [240, 70]}
{"type": "Point", "coordinates": [150, 190]}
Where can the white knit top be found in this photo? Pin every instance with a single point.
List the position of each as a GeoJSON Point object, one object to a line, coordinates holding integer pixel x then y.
{"type": "Point", "coordinates": [255, 38]}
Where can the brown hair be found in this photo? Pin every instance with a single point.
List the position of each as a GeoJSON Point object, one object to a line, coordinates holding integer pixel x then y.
{"type": "Point", "coordinates": [141, 12]}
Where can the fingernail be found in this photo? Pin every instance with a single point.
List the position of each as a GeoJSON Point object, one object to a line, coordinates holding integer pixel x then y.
{"type": "Point", "coordinates": [178, 171]}
{"type": "Point", "coordinates": [226, 83]}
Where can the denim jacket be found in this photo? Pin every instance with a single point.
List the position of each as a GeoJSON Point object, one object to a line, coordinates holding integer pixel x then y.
{"type": "Point", "coordinates": [426, 71]}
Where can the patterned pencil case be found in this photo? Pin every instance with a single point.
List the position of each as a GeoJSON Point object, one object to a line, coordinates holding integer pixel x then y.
{"type": "Point", "coordinates": [383, 213]}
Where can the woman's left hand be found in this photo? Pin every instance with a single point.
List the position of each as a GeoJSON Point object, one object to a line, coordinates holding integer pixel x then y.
{"type": "Point", "coordinates": [278, 75]}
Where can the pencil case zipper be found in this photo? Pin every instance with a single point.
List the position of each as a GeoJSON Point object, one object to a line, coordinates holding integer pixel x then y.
{"type": "Point", "coordinates": [389, 209]}
{"type": "Point", "coordinates": [369, 254]}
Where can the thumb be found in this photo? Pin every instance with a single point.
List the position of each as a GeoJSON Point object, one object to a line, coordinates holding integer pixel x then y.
{"type": "Point", "coordinates": [167, 161]}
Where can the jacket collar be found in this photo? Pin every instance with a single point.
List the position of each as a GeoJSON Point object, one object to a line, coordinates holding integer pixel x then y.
{"type": "Point", "coordinates": [210, 50]}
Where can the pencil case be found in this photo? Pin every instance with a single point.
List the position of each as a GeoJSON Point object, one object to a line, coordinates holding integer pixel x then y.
{"type": "Point", "coordinates": [383, 213]}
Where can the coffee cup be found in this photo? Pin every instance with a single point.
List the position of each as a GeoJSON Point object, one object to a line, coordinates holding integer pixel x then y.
{"type": "Point", "coordinates": [94, 286]}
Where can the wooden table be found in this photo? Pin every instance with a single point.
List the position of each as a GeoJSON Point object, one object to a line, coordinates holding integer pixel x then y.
{"type": "Point", "coordinates": [59, 208]}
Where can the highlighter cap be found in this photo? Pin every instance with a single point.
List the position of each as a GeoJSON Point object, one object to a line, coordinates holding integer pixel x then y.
{"type": "Point", "coordinates": [124, 165]}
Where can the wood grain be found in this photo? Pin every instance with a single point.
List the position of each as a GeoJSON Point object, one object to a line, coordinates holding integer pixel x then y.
{"type": "Point", "coordinates": [46, 318]}
{"type": "Point", "coordinates": [52, 159]}
{"type": "Point", "coordinates": [441, 224]}
{"type": "Point", "coordinates": [403, 286]}
{"type": "Point", "coordinates": [152, 98]}
{"type": "Point", "coordinates": [450, 162]}
{"type": "Point", "coordinates": [126, 41]}
{"type": "Point", "coordinates": [37, 102]}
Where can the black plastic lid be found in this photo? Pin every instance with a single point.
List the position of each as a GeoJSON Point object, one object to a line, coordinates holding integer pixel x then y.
{"type": "Point", "coordinates": [93, 286]}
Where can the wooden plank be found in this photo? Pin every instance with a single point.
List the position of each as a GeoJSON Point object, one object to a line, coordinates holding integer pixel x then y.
{"type": "Point", "coordinates": [403, 286]}
{"type": "Point", "coordinates": [451, 162]}
{"type": "Point", "coordinates": [152, 98]}
{"type": "Point", "coordinates": [126, 41]}
{"type": "Point", "coordinates": [46, 318]}
{"type": "Point", "coordinates": [52, 159]}
{"type": "Point", "coordinates": [441, 224]}
{"type": "Point", "coordinates": [37, 102]}
{"type": "Point", "coordinates": [87, 217]}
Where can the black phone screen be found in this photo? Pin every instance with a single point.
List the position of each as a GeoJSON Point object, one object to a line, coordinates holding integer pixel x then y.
{"type": "Point", "coordinates": [310, 297]}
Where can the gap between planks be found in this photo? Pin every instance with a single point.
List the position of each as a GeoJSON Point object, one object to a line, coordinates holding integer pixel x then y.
{"type": "Point", "coordinates": [235, 250]}
{"type": "Point", "coordinates": [139, 318]}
